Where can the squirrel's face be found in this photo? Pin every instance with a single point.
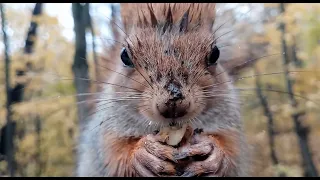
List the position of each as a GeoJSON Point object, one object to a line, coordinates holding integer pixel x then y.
{"type": "Point", "coordinates": [173, 73]}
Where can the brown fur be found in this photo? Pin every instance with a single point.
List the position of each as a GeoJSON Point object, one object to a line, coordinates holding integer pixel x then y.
{"type": "Point", "coordinates": [227, 141]}
{"type": "Point", "coordinates": [164, 48]}
{"type": "Point", "coordinates": [120, 154]}
{"type": "Point", "coordinates": [141, 13]}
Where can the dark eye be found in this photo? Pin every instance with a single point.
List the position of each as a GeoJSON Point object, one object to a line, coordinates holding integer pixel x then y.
{"type": "Point", "coordinates": [125, 58]}
{"type": "Point", "coordinates": [213, 56]}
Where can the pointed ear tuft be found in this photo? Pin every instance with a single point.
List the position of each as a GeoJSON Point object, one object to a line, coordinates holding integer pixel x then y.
{"type": "Point", "coordinates": [184, 21]}
{"type": "Point", "coordinates": [169, 20]}
{"type": "Point", "coordinates": [154, 20]}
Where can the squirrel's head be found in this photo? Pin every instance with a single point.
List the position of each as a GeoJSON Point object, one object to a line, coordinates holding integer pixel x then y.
{"type": "Point", "coordinates": [173, 63]}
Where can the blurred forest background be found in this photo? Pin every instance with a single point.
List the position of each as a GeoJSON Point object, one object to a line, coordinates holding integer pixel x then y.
{"type": "Point", "coordinates": [44, 46]}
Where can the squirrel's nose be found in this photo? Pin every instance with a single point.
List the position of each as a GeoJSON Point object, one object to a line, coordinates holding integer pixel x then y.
{"type": "Point", "coordinates": [176, 106]}
{"type": "Point", "coordinates": [175, 92]}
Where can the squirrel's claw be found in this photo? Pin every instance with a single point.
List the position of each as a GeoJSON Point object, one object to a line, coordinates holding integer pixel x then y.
{"type": "Point", "coordinates": [153, 146]}
{"type": "Point", "coordinates": [148, 165]}
{"type": "Point", "coordinates": [201, 149]}
{"type": "Point", "coordinates": [188, 174]}
{"type": "Point", "coordinates": [151, 158]}
{"type": "Point", "coordinates": [214, 164]}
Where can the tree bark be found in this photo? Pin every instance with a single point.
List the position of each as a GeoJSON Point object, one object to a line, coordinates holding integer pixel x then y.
{"type": "Point", "coordinates": [80, 65]}
{"type": "Point", "coordinates": [301, 131]}
{"type": "Point", "coordinates": [95, 57]}
{"type": "Point", "coordinates": [32, 32]}
{"type": "Point", "coordinates": [297, 62]}
{"type": "Point", "coordinates": [114, 27]}
{"type": "Point", "coordinates": [38, 128]}
{"type": "Point", "coordinates": [9, 153]}
{"type": "Point", "coordinates": [269, 116]}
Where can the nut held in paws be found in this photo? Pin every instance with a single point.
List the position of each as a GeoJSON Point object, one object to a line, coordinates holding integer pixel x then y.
{"type": "Point", "coordinates": [173, 135]}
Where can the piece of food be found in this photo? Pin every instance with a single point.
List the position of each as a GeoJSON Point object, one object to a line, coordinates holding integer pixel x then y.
{"type": "Point", "coordinates": [173, 135]}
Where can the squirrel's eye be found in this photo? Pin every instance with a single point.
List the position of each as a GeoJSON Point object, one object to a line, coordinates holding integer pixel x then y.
{"type": "Point", "coordinates": [213, 56]}
{"type": "Point", "coordinates": [125, 58]}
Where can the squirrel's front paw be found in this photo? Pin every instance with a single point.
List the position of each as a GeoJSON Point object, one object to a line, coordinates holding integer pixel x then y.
{"type": "Point", "coordinates": [208, 158]}
{"type": "Point", "coordinates": [151, 158]}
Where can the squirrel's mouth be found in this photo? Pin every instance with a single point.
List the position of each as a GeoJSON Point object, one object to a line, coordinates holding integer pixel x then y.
{"type": "Point", "coordinates": [179, 114]}
{"type": "Point", "coordinates": [173, 112]}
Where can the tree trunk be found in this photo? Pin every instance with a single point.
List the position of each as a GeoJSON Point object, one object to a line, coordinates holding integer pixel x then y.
{"type": "Point", "coordinates": [301, 131]}
{"type": "Point", "coordinates": [32, 32]}
{"type": "Point", "coordinates": [113, 25]}
{"type": "Point", "coordinates": [297, 62]}
{"type": "Point", "coordinates": [269, 115]}
{"type": "Point", "coordinates": [95, 57]}
{"type": "Point", "coordinates": [80, 65]}
{"type": "Point", "coordinates": [38, 128]}
{"type": "Point", "coordinates": [9, 152]}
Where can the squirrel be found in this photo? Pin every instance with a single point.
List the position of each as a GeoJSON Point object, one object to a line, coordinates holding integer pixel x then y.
{"type": "Point", "coordinates": [166, 74]}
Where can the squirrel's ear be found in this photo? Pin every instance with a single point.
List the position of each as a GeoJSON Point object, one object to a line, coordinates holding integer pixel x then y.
{"type": "Point", "coordinates": [211, 15]}
{"type": "Point", "coordinates": [184, 21]}
{"type": "Point", "coordinates": [204, 18]}
{"type": "Point", "coordinates": [153, 19]}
